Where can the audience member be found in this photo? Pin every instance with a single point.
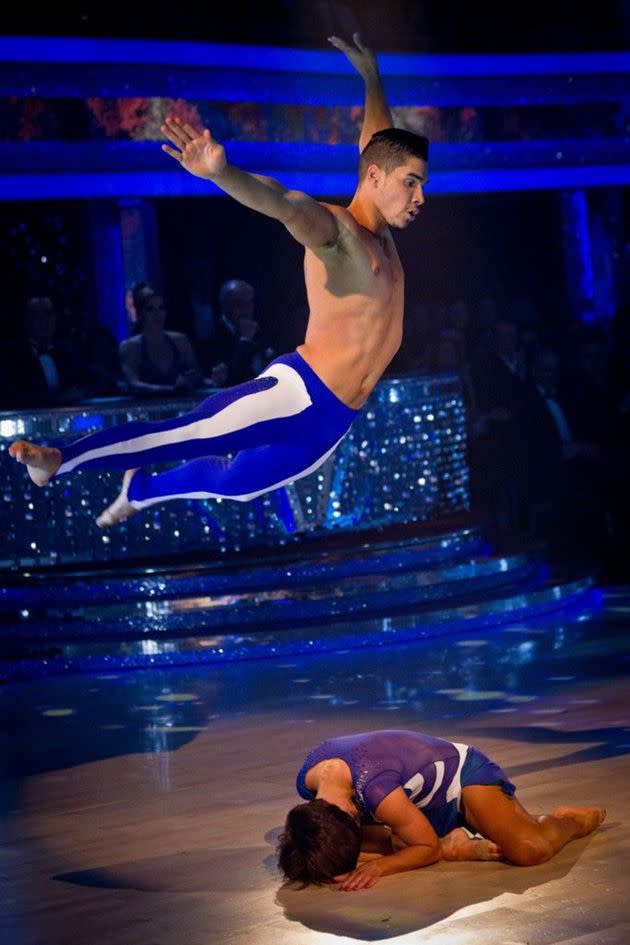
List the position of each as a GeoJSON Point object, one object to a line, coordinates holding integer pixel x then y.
{"type": "Point", "coordinates": [514, 464]}
{"type": "Point", "coordinates": [582, 497]}
{"type": "Point", "coordinates": [239, 351]}
{"type": "Point", "coordinates": [103, 377]}
{"type": "Point", "coordinates": [156, 361]}
{"type": "Point", "coordinates": [41, 369]}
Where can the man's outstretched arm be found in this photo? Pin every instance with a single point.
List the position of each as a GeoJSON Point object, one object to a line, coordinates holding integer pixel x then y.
{"type": "Point", "coordinates": [308, 221]}
{"type": "Point", "coordinates": [377, 114]}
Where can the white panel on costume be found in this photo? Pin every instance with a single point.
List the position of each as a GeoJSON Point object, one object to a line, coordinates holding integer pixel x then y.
{"type": "Point", "coordinates": [414, 785]}
{"type": "Point", "coordinates": [455, 787]}
{"type": "Point", "coordinates": [285, 399]}
{"type": "Point", "coordinates": [439, 777]}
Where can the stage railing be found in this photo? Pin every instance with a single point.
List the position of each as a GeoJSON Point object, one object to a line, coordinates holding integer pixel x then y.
{"type": "Point", "coordinates": [404, 460]}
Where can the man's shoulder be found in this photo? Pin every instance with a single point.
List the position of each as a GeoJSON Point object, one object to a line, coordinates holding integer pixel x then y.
{"type": "Point", "coordinates": [348, 230]}
{"type": "Point", "coordinates": [341, 214]}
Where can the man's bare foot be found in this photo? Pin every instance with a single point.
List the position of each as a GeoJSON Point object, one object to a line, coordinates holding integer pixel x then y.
{"type": "Point", "coordinates": [457, 845]}
{"type": "Point", "coordinates": [587, 819]}
{"type": "Point", "coordinates": [121, 508]}
{"type": "Point", "coordinates": [41, 462]}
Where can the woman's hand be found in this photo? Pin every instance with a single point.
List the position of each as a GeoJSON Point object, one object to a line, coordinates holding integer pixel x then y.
{"type": "Point", "coordinates": [196, 151]}
{"type": "Point", "coordinates": [363, 877]}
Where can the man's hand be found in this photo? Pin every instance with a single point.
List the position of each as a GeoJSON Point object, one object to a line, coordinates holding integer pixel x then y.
{"type": "Point", "coordinates": [362, 58]}
{"type": "Point", "coordinates": [196, 151]}
{"type": "Point", "coordinates": [363, 877]}
{"type": "Point", "coordinates": [247, 328]}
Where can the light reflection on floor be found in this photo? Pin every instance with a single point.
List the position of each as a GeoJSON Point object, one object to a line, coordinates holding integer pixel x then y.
{"type": "Point", "coordinates": [54, 722]}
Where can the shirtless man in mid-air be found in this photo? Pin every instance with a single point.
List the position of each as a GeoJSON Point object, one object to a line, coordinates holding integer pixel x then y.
{"type": "Point", "coordinates": [286, 422]}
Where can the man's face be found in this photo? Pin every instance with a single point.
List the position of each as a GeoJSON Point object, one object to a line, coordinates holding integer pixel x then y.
{"type": "Point", "coordinates": [506, 334]}
{"type": "Point", "coordinates": [545, 371]}
{"type": "Point", "coordinates": [239, 303]}
{"type": "Point", "coordinates": [42, 320]}
{"type": "Point", "coordinates": [399, 194]}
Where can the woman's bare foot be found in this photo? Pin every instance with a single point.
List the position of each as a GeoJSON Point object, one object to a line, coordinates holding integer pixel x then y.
{"type": "Point", "coordinates": [41, 462]}
{"type": "Point", "coordinates": [587, 819]}
{"type": "Point", "coordinates": [457, 845]}
{"type": "Point", "coordinates": [121, 508]}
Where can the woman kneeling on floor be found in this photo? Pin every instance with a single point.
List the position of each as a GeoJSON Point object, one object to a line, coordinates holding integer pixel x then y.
{"type": "Point", "coordinates": [415, 799]}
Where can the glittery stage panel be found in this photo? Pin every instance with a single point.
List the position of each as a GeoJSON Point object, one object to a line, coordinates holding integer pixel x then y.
{"type": "Point", "coordinates": [404, 460]}
{"type": "Point", "coordinates": [371, 591]}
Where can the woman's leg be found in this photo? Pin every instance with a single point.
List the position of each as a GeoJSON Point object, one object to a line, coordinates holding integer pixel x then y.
{"type": "Point", "coordinates": [525, 840]}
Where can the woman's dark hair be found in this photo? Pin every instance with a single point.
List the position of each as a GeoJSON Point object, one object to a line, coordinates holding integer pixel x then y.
{"type": "Point", "coordinates": [389, 149]}
{"type": "Point", "coordinates": [319, 842]}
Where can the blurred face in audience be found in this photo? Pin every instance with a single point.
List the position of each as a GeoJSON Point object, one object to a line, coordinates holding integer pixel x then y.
{"type": "Point", "coordinates": [506, 339]}
{"type": "Point", "coordinates": [152, 314]}
{"type": "Point", "coordinates": [545, 371]}
{"type": "Point", "coordinates": [593, 360]}
{"type": "Point", "coordinates": [238, 302]}
{"type": "Point", "coordinates": [447, 356]}
{"type": "Point", "coordinates": [42, 320]}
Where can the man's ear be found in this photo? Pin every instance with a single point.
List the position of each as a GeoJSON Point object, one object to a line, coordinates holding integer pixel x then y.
{"type": "Point", "coordinates": [374, 175]}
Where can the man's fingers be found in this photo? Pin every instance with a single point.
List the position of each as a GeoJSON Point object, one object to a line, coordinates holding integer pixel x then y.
{"type": "Point", "coordinates": [174, 133]}
{"type": "Point", "coordinates": [189, 131]}
{"type": "Point", "coordinates": [173, 153]}
{"type": "Point", "coordinates": [358, 42]}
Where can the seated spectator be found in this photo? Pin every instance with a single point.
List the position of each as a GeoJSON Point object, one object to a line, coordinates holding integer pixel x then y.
{"type": "Point", "coordinates": [103, 377]}
{"type": "Point", "coordinates": [545, 376]}
{"type": "Point", "coordinates": [587, 480]}
{"type": "Point", "coordinates": [40, 369]}
{"type": "Point", "coordinates": [514, 464]}
{"type": "Point", "coordinates": [156, 361]}
{"type": "Point", "coordinates": [239, 352]}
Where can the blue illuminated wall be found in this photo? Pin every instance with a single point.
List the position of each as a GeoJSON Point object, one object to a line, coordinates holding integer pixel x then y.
{"type": "Point", "coordinates": [81, 120]}
{"type": "Point", "coordinates": [130, 85]}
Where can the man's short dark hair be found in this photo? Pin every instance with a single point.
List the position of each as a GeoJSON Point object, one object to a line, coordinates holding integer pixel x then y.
{"type": "Point", "coordinates": [320, 841]}
{"type": "Point", "coordinates": [389, 149]}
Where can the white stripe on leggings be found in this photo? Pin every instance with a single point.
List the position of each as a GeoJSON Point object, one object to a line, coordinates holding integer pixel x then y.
{"type": "Point", "coordinates": [285, 399]}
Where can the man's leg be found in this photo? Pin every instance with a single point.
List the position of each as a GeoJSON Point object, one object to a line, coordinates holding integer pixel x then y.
{"type": "Point", "coordinates": [236, 418]}
{"type": "Point", "coordinates": [525, 840]}
{"type": "Point", "coordinates": [242, 417]}
{"type": "Point", "coordinates": [250, 474]}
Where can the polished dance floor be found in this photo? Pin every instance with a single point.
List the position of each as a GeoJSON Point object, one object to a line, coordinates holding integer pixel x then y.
{"type": "Point", "coordinates": [144, 806]}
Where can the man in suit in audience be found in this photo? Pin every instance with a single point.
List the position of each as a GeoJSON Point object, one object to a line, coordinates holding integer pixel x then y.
{"type": "Point", "coordinates": [239, 353]}
{"type": "Point", "coordinates": [41, 369]}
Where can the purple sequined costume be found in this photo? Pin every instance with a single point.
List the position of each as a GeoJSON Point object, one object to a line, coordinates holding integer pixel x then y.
{"type": "Point", "coordinates": [431, 771]}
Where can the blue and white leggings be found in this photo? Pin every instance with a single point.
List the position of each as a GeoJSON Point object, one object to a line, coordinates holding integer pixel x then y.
{"type": "Point", "coordinates": [282, 425]}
